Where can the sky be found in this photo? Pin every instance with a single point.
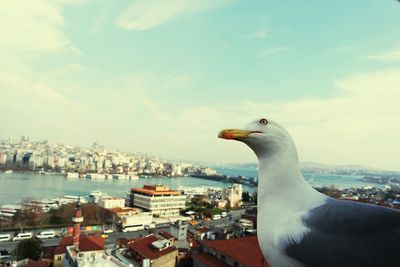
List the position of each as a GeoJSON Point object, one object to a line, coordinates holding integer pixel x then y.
{"type": "Point", "coordinates": [163, 77]}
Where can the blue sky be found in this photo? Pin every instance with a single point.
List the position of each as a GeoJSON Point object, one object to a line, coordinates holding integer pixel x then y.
{"type": "Point", "coordinates": [163, 77]}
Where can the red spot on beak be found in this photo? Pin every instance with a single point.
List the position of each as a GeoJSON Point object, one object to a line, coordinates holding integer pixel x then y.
{"type": "Point", "coordinates": [228, 135]}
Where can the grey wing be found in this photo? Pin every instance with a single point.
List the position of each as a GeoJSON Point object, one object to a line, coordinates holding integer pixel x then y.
{"type": "Point", "coordinates": [346, 233]}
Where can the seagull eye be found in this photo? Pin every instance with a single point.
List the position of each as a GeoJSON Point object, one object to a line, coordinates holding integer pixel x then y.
{"type": "Point", "coordinates": [263, 122]}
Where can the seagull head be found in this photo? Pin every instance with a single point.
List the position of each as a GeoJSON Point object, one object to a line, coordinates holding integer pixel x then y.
{"type": "Point", "coordinates": [263, 136]}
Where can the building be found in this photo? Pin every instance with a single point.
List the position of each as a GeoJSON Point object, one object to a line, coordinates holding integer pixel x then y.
{"type": "Point", "coordinates": [158, 199]}
{"type": "Point", "coordinates": [234, 195]}
{"type": "Point", "coordinates": [70, 247]}
{"type": "Point", "coordinates": [241, 252]}
{"type": "Point", "coordinates": [83, 251]}
{"type": "Point", "coordinates": [139, 219]}
{"type": "Point", "coordinates": [243, 227]}
{"type": "Point", "coordinates": [179, 230]}
{"type": "Point", "coordinates": [30, 263]}
{"type": "Point", "coordinates": [109, 202]}
{"type": "Point", "coordinates": [152, 251]}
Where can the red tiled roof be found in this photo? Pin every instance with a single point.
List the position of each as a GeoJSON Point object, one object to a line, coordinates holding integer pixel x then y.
{"type": "Point", "coordinates": [209, 260]}
{"type": "Point", "coordinates": [202, 229]}
{"type": "Point", "coordinates": [154, 192]}
{"type": "Point", "coordinates": [86, 243]}
{"type": "Point", "coordinates": [32, 263]}
{"type": "Point", "coordinates": [90, 243]}
{"type": "Point", "coordinates": [250, 252]}
{"type": "Point", "coordinates": [144, 247]}
{"type": "Point", "coordinates": [167, 235]}
{"type": "Point", "coordinates": [62, 248]}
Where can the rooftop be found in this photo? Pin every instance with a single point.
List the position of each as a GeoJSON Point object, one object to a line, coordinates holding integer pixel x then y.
{"type": "Point", "coordinates": [155, 190]}
{"type": "Point", "coordinates": [250, 252]}
{"type": "Point", "coordinates": [32, 263]}
{"type": "Point", "coordinates": [86, 243]}
{"type": "Point", "coordinates": [167, 235]}
{"type": "Point", "coordinates": [144, 246]}
{"type": "Point", "coordinates": [209, 260]}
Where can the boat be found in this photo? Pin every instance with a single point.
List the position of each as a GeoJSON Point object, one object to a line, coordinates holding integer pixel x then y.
{"type": "Point", "coordinates": [67, 199]}
{"type": "Point", "coordinates": [72, 175]}
{"type": "Point", "coordinates": [8, 171]}
{"type": "Point", "coordinates": [9, 210]}
{"type": "Point", "coordinates": [45, 204]}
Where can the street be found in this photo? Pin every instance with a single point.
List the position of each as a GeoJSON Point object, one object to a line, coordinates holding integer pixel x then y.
{"type": "Point", "coordinates": [112, 237]}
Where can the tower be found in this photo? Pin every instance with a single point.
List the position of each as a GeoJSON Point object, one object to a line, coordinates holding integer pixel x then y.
{"type": "Point", "coordinates": [77, 220]}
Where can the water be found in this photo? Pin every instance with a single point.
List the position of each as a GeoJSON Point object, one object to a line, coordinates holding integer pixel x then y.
{"type": "Point", "coordinates": [315, 180]}
{"type": "Point", "coordinates": [17, 186]}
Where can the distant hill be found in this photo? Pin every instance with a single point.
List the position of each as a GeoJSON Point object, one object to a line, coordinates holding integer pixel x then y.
{"type": "Point", "coordinates": [316, 167]}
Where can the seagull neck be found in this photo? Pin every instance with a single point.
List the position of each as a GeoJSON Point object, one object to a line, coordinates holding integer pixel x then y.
{"type": "Point", "coordinates": [279, 174]}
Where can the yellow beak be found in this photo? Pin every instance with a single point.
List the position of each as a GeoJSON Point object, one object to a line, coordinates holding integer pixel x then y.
{"type": "Point", "coordinates": [234, 134]}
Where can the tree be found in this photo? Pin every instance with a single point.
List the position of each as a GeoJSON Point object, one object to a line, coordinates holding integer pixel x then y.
{"type": "Point", "coordinates": [246, 196]}
{"type": "Point", "coordinates": [19, 220]}
{"type": "Point", "coordinates": [28, 248]}
{"type": "Point", "coordinates": [255, 195]}
{"type": "Point", "coordinates": [32, 211]}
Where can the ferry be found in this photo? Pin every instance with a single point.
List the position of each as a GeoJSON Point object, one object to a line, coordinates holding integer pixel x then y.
{"type": "Point", "coordinates": [69, 199]}
{"type": "Point", "coordinates": [95, 176]}
{"type": "Point", "coordinates": [9, 210]}
{"type": "Point", "coordinates": [45, 204]}
{"type": "Point", "coordinates": [72, 175]}
{"type": "Point", "coordinates": [8, 172]}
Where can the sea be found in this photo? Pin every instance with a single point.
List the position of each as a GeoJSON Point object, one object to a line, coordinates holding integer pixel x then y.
{"type": "Point", "coordinates": [17, 186]}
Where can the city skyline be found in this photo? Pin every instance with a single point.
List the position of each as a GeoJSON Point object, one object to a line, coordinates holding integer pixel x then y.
{"type": "Point", "coordinates": [163, 79]}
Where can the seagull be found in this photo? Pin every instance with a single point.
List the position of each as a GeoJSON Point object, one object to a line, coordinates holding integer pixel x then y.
{"type": "Point", "coordinates": [297, 225]}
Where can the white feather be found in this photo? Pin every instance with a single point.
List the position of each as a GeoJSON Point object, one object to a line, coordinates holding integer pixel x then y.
{"type": "Point", "coordinates": [284, 197]}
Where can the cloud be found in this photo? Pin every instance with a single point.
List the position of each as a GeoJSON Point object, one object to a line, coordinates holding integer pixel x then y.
{"type": "Point", "coordinates": [259, 34]}
{"type": "Point", "coordinates": [357, 125]}
{"type": "Point", "coordinates": [32, 31]}
{"type": "Point", "coordinates": [273, 51]}
{"type": "Point", "coordinates": [393, 55]}
{"type": "Point", "coordinates": [31, 26]}
{"type": "Point", "coordinates": [146, 14]}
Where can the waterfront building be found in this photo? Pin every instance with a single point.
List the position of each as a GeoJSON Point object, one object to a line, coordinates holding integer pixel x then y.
{"type": "Point", "coordinates": [158, 199]}
{"type": "Point", "coordinates": [152, 251]}
{"type": "Point", "coordinates": [234, 195]}
{"type": "Point", "coordinates": [231, 252]}
{"type": "Point", "coordinates": [110, 202]}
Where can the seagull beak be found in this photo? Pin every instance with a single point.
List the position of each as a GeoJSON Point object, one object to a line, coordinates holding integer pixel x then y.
{"type": "Point", "coordinates": [234, 134]}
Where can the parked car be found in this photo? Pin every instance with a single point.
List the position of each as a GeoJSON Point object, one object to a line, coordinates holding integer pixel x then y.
{"type": "Point", "coordinates": [5, 254]}
{"type": "Point", "coordinates": [5, 237]}
{"type": "Point", "coordinates": [150, 226]}
{"type": "Point", "coordinates": [46, 234]}
{"type": "Point", "coordinates": [216, 216]}
{"type": "Point", "coordinates": [192, 223]}
{"type": "Point", "coordinates": [22, 236]}
{"type": "Point", "coordinates": [224, 214]}
{"type": "Point", "coordinates": [108, 231]}
{"type": "Point", "coordinates": [104, 236]}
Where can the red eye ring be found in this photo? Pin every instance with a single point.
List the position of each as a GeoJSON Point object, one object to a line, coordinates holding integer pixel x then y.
{"type": "Point", "coordinates": [263, 121]}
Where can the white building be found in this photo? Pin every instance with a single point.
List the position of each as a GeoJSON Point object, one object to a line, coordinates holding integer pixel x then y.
{"type": "Point", "coordinates": [234, 195]}
{"type": "Point", "coordinates": [158, 199]}
{"type": "Point", "coordinates": [137, 219]}
{"type": "Point", "coordinates": [109, 202]}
